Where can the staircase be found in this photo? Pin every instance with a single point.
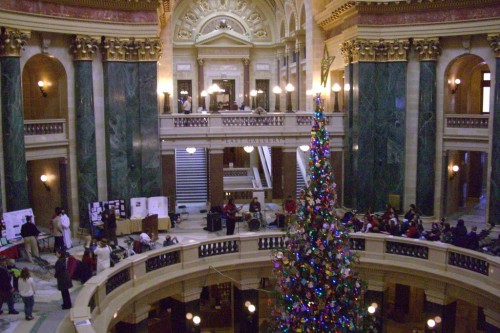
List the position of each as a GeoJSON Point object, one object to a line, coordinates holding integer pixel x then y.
{"type": "Point", "coordinates": [191, 175]}
{"type": "Point", "coordinates": [300, 181]}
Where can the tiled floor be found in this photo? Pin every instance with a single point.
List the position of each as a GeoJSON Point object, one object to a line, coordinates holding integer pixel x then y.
{"type": "Point", "coordinates": [48, 314]}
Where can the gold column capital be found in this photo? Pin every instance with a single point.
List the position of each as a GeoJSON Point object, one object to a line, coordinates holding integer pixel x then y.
{"type": "Point", "coordinates": [246, 61]}
{"type": "Point", "coordinates": [201, 61]}
{"type": "Point", "coordinates": [364, 51]}
{"type": "Point", "coordinates": [494, 40]}
{"type": "Point", "coordinates": [12, 41]}
{"type": "Point", "coordinates": [396, 50]}
{"type": "Point", "coordinates": [346, 51]}
{"type": "Point", "coordinates": [427, 48]}
{"type": "Point", "coordinates": [83, 47]}
{"type": "Point", "coordinates": [115, 49]}
{"type": "Point", "coordinates": [148, 49]}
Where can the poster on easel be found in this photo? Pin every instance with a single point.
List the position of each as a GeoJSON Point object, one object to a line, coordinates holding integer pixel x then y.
{"type": "Point", "coordinates": [96, 209]}
{"type": "Point", "coordinates": [14, 221]}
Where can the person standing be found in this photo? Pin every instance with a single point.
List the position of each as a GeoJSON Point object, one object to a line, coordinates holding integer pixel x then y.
{"type": "Point", "coordinates": [290, 205]}
{"type": "Point", "coordinates": [187, 105]}
{"type": "Point", "coordinates": [58, 231]}
{"type": "Point", "coordinates": [27, 292]}
{"type": "Point", "coordinates": [66, 229]}
{"type": "Point", "coordinates": [105, 220]}
{"type": "Point", "coordinates": [30, 232]}
{"type": "Point", "coordinates": [64, 282]}
{"type": "Point", "coordinates": [6, 288]}
{"type": "Point", "coordinates": [112, 226]}
{"type": "Point", "coordinates": [230, 212]}
{"type": "Point", "coordinates": [254, 206]}
{"type": "Point", "coordinates": [103, 254]}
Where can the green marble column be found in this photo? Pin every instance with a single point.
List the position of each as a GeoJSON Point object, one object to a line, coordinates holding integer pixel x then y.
{"type": "Point", "coordinates": [85, 139]}
{"type": "Point", "coordinates": [16, 185]}
{"type": "Point", "coordinates": [426, 149]}
{"type": "Point", "coordinates": [494, 211]}
{"type": "Point", "coordinates": [348, 188]}
{"type": "Point", "coordinates": [148, 106]}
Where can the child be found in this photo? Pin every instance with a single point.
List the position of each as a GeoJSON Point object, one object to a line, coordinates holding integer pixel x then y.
{"type": "Point", "coordinates": [27, 292]}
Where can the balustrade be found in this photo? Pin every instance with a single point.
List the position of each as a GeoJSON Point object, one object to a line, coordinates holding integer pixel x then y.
{"type": "Point", "coordinates": [468, 262]}
{"type": "Point", "coordinates": [467, 121]}
{"type": "Point", "coordinates": [217, 248]}
{"type": "Point", "coordinates": [409, 250]}
{"type": "Point", "coordinates": [162, 260]}
{"type": "Point", "coordinates": [117, 280]}
{"type": "Point", "coordinates": [269, 243]}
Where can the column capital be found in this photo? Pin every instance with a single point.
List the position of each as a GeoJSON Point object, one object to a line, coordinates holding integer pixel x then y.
{"type": "Point", "coordinates": [396, 50]}
{"type": "Point", "coordinates": [379, 50]}
{"type": "Point", "coordinates": [131, 49]}
{"type": "Point", "coordinates": [12, 41]}
{"type": "Point", "coordinates": [201, 61]}
{"type": "Point", "coordinates": [363, 50]}
{"type": "Point", "coordinates": [428, 49]}
{"type": "Point", "coordinates": [83, 47]}
{"type": "Point", "coordinates": [346, 51]}
{"type": "Point", "coordinates": [494, 40]}
{"type": "Point", "coordinates": [246, 61]}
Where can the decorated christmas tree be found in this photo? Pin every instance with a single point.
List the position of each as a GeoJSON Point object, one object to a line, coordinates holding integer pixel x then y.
{"type": "Point", "coordinates": [318, 291]}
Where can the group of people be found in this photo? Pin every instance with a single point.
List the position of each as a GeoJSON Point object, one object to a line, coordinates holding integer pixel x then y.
{"type": "Point", "coordinates": [411, 226]}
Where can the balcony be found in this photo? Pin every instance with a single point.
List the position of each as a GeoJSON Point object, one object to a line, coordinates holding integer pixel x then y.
{"type": "Point", "coordinates": [239, 128]}
{"type": "Point", "coordinates": [45, 133]}
{"type": "Point", "coordinates": [104, 299]}
{"type": "Point", "coordinates": [466, 131]}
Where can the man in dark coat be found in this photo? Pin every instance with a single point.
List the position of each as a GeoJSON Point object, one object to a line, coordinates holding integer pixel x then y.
{"type": "Point", "coordinates": [6, 288]}
{"type": "Point", "coordinates": [64, 282]}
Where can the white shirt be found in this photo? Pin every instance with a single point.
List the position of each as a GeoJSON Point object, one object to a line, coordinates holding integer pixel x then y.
{"type": "Point", "coordinates": [26, 287]}
{"type": "Point", "coordinates": [145, 238]}
{"type": "Point", "coordinates": [103, 255]}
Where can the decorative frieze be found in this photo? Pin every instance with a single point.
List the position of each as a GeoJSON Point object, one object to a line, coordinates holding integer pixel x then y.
{"type": "Point", "coordinates": [130, 49]}
{"type": "Point", "coordinates": [346, 51]}
{"type": "Point", "coordinates": [397, 50]}
{"type": "Point", "coordinates": [83, 47]}
{"type": "Point", "coordinates": [428, 49]}
{"type": "Point", "coordinates": [494, 40]}
{"type": "Point", "coordinates": [12, 41]}
{"type": "Point", "coordinates": [363, 50]}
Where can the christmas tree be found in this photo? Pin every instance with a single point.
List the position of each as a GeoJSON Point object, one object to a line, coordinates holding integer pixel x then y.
{"type": "Point", "coordinates": [318, 290]}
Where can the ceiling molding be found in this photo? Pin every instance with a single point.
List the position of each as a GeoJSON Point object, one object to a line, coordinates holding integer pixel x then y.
{"type": "Point", "coordinates": [113, 4]}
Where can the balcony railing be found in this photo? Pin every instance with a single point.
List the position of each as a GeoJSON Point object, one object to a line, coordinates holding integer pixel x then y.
{"type": "Point", "coordinates": [45, 132]}
{"type": "Point", "coordinates": [104, 296]}
{"type": "Point", "coordinates": [466, 127]}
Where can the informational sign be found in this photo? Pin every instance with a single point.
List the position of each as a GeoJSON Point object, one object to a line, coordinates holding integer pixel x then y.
{"type": "Point", "coordinates": [15, 220]}
{"type": "Point", "coordinates": [138, 208]}
{"type": "Point", "coordinates": [96, 209]}
{"type": "Point", "coordinates": [158, 205]}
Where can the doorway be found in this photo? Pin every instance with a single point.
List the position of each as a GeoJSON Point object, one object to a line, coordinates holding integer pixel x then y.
{"type": "Point", "coordinates": [227, 99]}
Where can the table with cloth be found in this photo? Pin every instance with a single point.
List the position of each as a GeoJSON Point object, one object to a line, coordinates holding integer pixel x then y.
{"type": "Point", "coordinates": [130, 226]}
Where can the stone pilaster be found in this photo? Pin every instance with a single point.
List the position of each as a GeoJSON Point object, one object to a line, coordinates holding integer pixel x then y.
{"type": "Point", "coordinates": [246, 81]}
{"type": "Point", "coordinates": [428, 51]}
{"type": "Point", "coordinates": [289, 172]}
{"type": "Point", "coordinates": [83, 49]}
{"type": "Point", "coordinates": [201, 81]}
{"type": "Point", "coordinates": [277, 173]}
{"type": "Point", "coordinates": [168, 175]}
{"type": "Point", "coordinates": [216, 185]}
{"type": "Point", "coordinates": [16, 185]}
{"type": "Point", "coordinates": [494, 209]}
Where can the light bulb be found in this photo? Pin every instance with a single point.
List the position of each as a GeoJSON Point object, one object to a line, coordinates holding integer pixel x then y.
{"type": "Point", "coordinates": [196, 320]}
{"type": "Point", "coordinates": [44, 178]}
{"type": "Point", "coordinates": [431, 323]}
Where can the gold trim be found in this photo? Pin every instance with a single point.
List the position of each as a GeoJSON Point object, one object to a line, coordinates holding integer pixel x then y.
{"type": "Point", "coordinates": [335, 14]}
{"type": "Point", "coordinates": [129, 5]}
{"type": "Point", "coordinates": [148, 49]}
{"type": "Point", "coordinates": [346, 51]}
{"type": "Point", "coordinates": [397, 50]}
{"type": "Point", "coordinates": [115, 49]}
{"type": "Point", "coordinates": [365, 7]}
{"type": "Point", "coordinates": [83, 47]}
{"type": "Point", "coordinates": [376, 50]}
{"type": "Point", "coordinates": [494, 40]}
{"type": "Point", "coordinates": [428, 49]}
{"type": "Point", "coordinates": [12, 41]}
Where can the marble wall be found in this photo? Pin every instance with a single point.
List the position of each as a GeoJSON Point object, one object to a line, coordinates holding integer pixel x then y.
{"type": "Point", "coordinates": [494, 211]}
{"type": "Point", "coordinates": [348, 157]}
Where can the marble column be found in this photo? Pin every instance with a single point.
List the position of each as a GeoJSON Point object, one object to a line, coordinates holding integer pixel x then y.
{"type": "Point", "coordinates": [428, 51]}
{"type": "Point", "coordinates": [246, 81]}
{"type": "Point", "coordinates": [289, 172]}
{"type": "Point", "coordinates": [349, 179]}
{"type": "Point", "coordinates": [169, 182]}
{"type": "Point", "coordinates": [216, 184]}
{"type": "Point", "coordinates": [201, 80]}
{"type": "Point", "coordinates": [494, 209]}
{"type": "Point", "coordinates": [297, 84]}
{"type": "Point", "coordinates": [131, 118]}
{"type": "Point", "coordinates": [150, 163]}
{"type": "Point", "coordinates": [277, 172]}
{"type": "Point", "coordinates": [16, 185]}
{"type": "Point", "coordinates": [244, 320]}
{"type": "Point", "coordinates": [83, 49]}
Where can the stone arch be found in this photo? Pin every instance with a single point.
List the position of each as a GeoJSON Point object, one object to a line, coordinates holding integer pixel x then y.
{"type": "Point", "coordinates": [466, 97]}
{"type": "Point", "coordinates": [49, 101]}
{"type": "Point", "coordinates": [282, 29]}
{"type": "Point", "coordinates": [302, 21]}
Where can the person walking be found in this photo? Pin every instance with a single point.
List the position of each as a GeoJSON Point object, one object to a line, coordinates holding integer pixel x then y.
{"type": "Point", "coordinates": [186, 106]}
{"type": "Point", "coordinates": [66, 229]}
{"type": "Point", "coordinates": [27, 292]}
{"type": "Point", "coordinates": [58, 231]}
{"type": "Point", "coordinates": [6, 288]}
{"type": "Point", "coordinates": [30, 232]}
{"type": "Point", "coordinates": [64, 282]}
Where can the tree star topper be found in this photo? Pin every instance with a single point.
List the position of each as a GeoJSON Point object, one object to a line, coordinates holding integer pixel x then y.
{"type": "Point", "coordinates": [326, 62]}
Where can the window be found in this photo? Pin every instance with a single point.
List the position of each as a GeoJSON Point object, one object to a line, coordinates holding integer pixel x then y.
{"type": "Point", "coordinates": [485, 92]}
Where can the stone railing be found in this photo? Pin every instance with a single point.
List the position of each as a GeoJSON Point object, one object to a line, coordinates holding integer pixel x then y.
{"type": "Point", "coordinates": [45, 132]}
{"type": "Point", "coordinates": [466, 128]}
{"type": "Point", "coordinates": [269, 129]}
{"type": "Point", "coordinates": [467, 121]}
{"type": "Point", "coordinates": [104, 298]}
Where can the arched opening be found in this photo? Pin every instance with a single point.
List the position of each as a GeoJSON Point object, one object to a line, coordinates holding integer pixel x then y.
{"type": "Point", "coordinates": [291, 25]}
{"type": "Point", "coordinates": [303, 17]}
{"type": "Point", "coordinates": [45, 88]}
{"type": "Point", "coordinates": [282, 29]}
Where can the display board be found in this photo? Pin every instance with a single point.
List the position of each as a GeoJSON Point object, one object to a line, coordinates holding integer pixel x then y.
{"type": "Point", "coordinates": [138, 208]}
{"type": "Point", "coordinates": [158, 205]}
{"type": "Point", "coordinates": [14, 221]}
{"type": "Point", "coordinates": [96, 208]}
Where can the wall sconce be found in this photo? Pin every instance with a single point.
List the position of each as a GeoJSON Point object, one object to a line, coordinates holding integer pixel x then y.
{"type": "Point", "coordinates": [191, 150]}
{"type": "Point", "coordinates": [203, 94]}
{"type": "Point", "coordinates": [454, 171]}
{"type": "Point", "coordinates": [277, 91]}
{"type": "Point", "coordinates": [253, 94]}
{"type": "Point", "coordinates": [454, 85]}
{"type": "Point", "coordinates": [44, 179]}
{"type": "Point", "coordinates": [372, 308]}
{"type": "Point", "coordinates": [289, 88]}
{"type": "Point", "coordinates": [166, 102]}
{"type": "Point", "coordinates": [248, 149]}
{"type": "Point", "coordinates": [41, 84]}
{"type": "Point", "coordinates": [336, 89]}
